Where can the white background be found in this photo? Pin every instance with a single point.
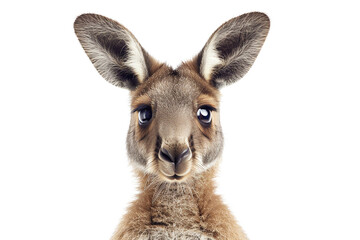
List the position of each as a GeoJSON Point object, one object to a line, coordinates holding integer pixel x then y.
{"type": "Point", "coordinates": [290, 167]}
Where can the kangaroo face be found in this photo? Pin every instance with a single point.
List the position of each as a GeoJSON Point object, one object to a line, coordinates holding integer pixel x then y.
{"type": "Point", "coordinates": [175, 130]}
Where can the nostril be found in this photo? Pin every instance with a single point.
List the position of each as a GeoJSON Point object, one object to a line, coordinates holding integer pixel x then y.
{"type": "Point", "coordinates": [184, 155]}
{"type": "Point", "coordinates": [165, 155]}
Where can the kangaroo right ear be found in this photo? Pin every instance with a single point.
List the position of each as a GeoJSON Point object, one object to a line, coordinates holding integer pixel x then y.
{"type": "Point", "coordinates": [232, 49]}
{"type": "Point", "coordinates": [114, 51]}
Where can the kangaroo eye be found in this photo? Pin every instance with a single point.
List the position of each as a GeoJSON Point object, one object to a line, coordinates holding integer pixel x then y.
{"type": "Point", "coordinates": [145, 115]}
{"type": "Point", "coordinates": [204, 115]}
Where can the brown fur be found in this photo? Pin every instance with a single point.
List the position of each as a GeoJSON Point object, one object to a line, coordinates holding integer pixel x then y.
{"type": "Point", "coordinates": [200, 211]}
{"type": "Point", "coordinates": [184, 210]}
{"type": "Point", "coordinates": [175, 153]}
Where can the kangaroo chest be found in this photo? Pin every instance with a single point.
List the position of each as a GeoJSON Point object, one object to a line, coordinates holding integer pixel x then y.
{"type": "Point", "coordinates": [175, 208]}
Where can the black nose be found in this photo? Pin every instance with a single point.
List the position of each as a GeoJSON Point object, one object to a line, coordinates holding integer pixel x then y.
{"type": "Point", "coordinates": [166, 155]}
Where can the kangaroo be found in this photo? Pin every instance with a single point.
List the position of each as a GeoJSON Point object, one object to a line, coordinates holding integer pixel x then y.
{"type": "Point", "coordinates": [174, 140]}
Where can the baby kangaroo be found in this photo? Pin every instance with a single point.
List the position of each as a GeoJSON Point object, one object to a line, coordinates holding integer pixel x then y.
{"type": "Point", "coordinates": [175, 140]}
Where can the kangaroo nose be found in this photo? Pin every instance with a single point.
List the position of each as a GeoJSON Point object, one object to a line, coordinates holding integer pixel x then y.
{"type": "Point", "coordinates": [166, 155]}
{"type": "Point", "coordinates": [183, 155]}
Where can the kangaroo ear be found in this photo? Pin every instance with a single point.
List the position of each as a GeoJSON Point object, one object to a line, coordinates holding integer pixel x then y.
{"type": "Point", "coordinates": [114, 51]}
{"type": "Point", "coordinates": [232, 49]}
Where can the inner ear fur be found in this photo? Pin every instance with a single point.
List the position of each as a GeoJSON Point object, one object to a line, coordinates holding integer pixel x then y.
{"type": "Point", "coordinates": [232, 49]}
{"type": "Point", "coordinates": [114, 51]}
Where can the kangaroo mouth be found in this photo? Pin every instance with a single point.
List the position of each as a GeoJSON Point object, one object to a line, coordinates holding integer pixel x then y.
{"type": "Point", "coordinates": [172, 172]}
{"type": "Point", "coordinates": [176, 177]}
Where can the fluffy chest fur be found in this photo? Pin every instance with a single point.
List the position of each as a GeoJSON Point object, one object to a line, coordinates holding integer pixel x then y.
{"type": "Point", "coordinates": [176, 207]}
{"type": "Point", "coordinates": [175, 214]}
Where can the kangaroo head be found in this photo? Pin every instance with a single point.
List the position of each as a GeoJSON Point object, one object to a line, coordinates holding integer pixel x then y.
{"type": "Point", "coordinates": [175, 131]}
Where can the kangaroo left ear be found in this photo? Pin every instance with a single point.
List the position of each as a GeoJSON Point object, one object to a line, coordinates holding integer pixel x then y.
{"type": "Point", "coordinates": [114, 51]}
{"type": "Point", "coordinates": [232, 49]}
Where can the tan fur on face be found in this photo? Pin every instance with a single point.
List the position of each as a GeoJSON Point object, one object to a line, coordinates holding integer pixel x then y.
{"type": "Point", "coordinates": [175, 100]}
{"type": "Point", "coordinates": [141, 100]}
{"type": "Point", "coordinates": [205, 99]}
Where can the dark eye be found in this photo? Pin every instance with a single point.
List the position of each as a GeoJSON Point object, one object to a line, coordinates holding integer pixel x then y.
{"type": "Point", "coordinates": [145, 115]}
{"type": "Point", "coordinates": [204, 115]}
